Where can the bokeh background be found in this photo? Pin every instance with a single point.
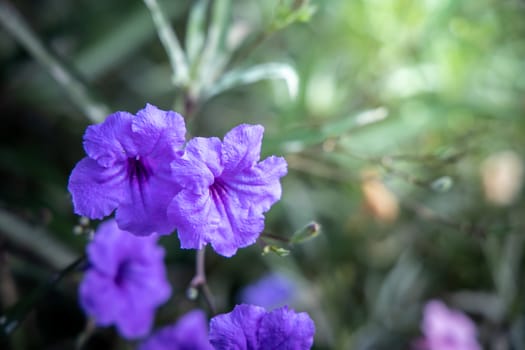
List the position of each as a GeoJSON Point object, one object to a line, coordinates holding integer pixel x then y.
{"type": "Point", "coordinates": [402, 123]}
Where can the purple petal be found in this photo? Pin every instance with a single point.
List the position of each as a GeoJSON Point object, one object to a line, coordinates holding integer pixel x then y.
{"type": "Point", "coordinates": [106, 251]}
{"type": "Point", "coordinates": [237, 329]}
{"type": "Point", "coordinates": [273, 290]}
{"type": "Point", "coordinates": [195, 218]}
{"type": "Point", "coordinates": [189, 333]}
{"type": "Point", "coordinates": [260, 185]}
{"type": "Point", "coordinates": [241, 147]}
{"type": "Point", "coordinates": [126, 280]}
{"type": "Point", "coordinates": [284, 329]}
{"type": "Point", "coordinates": [96, 191]}
{"type": "Point", "coordinates": [144, 209]}
{"type": "Point", "coordinates": [94, 293]}
{"type": "Point", "coordinates": [448, 329]}
{"type": "Point", "coordinates": [156, 132]}
{"type": "Point", "coordinates": [196, 169]}
{"type": "Point", "coordinates": [136, 321]}
{"type": "Point", "coordinates": [110, 141]}
{"type": "Point", "coordinates": [238, 228]}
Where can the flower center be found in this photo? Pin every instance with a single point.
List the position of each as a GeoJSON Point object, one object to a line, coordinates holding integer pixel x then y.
{"type": "Point", "coordinates": [218, 190]}
{"type": "Point", "coordinates": [138, 169]}
{"type": "Point", "coordinates": [122, 274]}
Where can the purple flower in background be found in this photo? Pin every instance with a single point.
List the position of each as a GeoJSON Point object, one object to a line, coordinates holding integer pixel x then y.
{"type": "Point", "coordinates": [189, 333]}
{"type": "Point", "coordinates": [250, 327]}
{"type": "Point", "coordinates": [273, 290]}
{"type": "Point", "coordinates": [128, 169]}
{"type": "Point", "coordinates": [225, 190]}
{"type": "Point", "coordinates": [125, 282]}
{"type": "Point", "coordinates": [447, 329]}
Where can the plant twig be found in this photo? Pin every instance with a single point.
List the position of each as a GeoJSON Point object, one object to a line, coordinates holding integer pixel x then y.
{"type": "Point", "coordinates": [14, 316]}
{"type": "Point", "coordinates": [199, 280]}
{"type": "Point", "coordinates": [79, 94]}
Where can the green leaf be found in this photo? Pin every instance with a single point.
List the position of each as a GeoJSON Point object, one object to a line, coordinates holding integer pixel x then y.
{"type": "Point", "coordinates": [214, 55]}
{"type": "Point", "coordinates": [290, 12]}
{"type": "Point", "coordinates": [276, 250]}
{"type": "Point", "coordinates": [195, 32]}
{"type": "Point", "coordinates": [239, 77]}
{"type": "Point", "coordinates": [170, 42]}
{"type": "Point", "coordinates": [442, 184]}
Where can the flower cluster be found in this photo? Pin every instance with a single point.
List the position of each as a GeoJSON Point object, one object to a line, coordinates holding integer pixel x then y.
{"type": "Point", "coordinates": [446, 329]}
{"type": "Point", "coordinates": [211, 191]}
{"type": "Point", "coordinates": [125, 281]}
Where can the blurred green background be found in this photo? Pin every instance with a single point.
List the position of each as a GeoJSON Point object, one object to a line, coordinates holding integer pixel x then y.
{"type": "Point", "coordinates": [402, 123]}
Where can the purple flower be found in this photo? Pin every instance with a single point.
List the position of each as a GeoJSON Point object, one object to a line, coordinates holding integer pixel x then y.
{"type": "Point", "coordinates": [225, 190]}
{"type": "Point", "coordinates": [128, 169]}
{"type": "Point", "coordinates": [447, 329]}
{"type": "Point", "coordinates": [189, 333]}
{"type": "Point", "coordinates": [273, 290]}
{"type": "Point", "coordinates": [250, 327]}
{"type": "Point", "coordinates": [126, 280]}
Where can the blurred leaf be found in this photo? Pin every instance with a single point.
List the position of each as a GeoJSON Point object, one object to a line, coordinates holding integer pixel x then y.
{"type": "Point", "coordinates": [78, 93]}
{"type": "Point", "coordinates": [214, 56]}
{"type": "Point", "coordinates": [442, 184]}
{"type": "Point", "coordinates": [291, 11]}
{"type": "Point", "coordinates": [170, 42]}
{"type": "Point", "coordinates": [254, 74]}
{"type": "Point", "coordinates": [14, 316]}
{"type": "Point", "coordinates": [341, 126]}
{"type": "Point", "coordinates": [195, 33]}
{"type": "Point", "coordinates": [120, 41]}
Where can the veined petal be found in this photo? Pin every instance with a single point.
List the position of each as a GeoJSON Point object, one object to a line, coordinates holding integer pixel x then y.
{"type": "Point", "coordinates": [111, 141]}
{"type": "Point", "coordinates": [207, 151]}
{"type": "Point", "coordinates": [258, 186]}
{"type": "Point", "coordinates": [241, 147]}
{"type": "Point", "coordinates": [191, 174]}
{"type": "Point", "coordinates": [239, 226]}
{"type": "Point", "coordinates": [157, 132]}
{"type": "Point", "coordinates": [96, 190]}
{"type": "Point", "coordinates": [195, 218]}
{"type": "Point", "coordinates": [144, 209]}
{"type": "Point", "coordinates": [284, 329]}
{"type": "Point", "coordinates": [237, 330]}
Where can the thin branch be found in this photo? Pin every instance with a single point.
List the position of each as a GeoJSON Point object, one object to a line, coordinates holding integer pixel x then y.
{"type": "Point", "coordinates": [14, 316]}
{"type": "Point", "coordinates": [199, 280]}
{"type": "Point", "coordinates": [79, 94]}
{"type": "Point", "coordinates": [170, 42]}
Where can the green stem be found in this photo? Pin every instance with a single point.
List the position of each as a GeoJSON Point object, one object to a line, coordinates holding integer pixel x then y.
{"type": "Point", "coordinates": [199, 280]}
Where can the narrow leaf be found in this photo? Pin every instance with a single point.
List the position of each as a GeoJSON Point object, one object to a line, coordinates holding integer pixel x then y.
{"type": "Point", "coordinates": [195, 35]}
{"type": "Point", "coordinates": [239, 77]}
{"type": "Point", "coordinates": [170, 42]}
